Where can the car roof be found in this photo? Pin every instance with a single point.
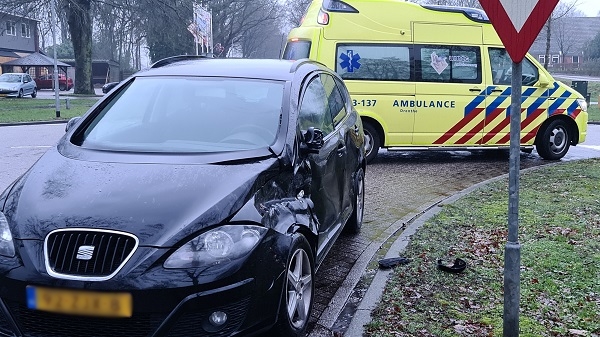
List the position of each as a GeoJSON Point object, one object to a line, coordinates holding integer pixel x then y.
{"type": "Point", "coordinates": [242, 68]}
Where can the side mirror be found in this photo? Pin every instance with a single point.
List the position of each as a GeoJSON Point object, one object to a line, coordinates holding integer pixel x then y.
{"type": "Point", "coordinates": [543, 80]}
{"type": "Point", "coordinates": [313, 140]}
{"type": "Point", "coordinates": [72, 123]}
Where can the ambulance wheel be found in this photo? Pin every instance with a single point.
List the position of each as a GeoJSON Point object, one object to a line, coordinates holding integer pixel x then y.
{"type": "Point", "coordinates": [372, 141]}
{"type": "Point", "coordinates": [554, 141]}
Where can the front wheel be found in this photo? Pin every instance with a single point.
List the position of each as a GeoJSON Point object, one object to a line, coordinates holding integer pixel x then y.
{"type": "Point", "coordinates": [20, 94]}
{"type": "Point", "coordinates": [34, 93]}
{"type": "Point", "coordinates": [62, 87]}
{"type": "Point", "coordinates": [298, 289]}
{"type": "Point", "coordinates": [372, 141]}
{"type": "Point", "coordinates": [554, 141]}
{"type": "Point", "coordinates": [355, 222]}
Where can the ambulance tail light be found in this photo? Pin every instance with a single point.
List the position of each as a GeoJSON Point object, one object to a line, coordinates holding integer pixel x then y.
{"type": "Point", "coordinates": [323, 18]}
{"type": "Point", "coordinates": [338, 6]}
{"type": "Point", "coordinates": [582, 104]}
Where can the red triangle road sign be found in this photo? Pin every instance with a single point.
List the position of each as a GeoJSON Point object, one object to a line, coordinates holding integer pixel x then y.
{"type": "Point", "coordinates": [518, 22]}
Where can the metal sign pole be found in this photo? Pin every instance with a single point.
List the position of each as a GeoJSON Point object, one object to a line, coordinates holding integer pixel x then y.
{"type": "Point", "coordinates": [512, 252]}
{"type": "Point", "coordinates": [55, 73]}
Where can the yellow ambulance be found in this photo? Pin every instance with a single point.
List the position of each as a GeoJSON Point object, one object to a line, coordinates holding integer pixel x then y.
{"type": "Point", "coordinates": [427, 77]}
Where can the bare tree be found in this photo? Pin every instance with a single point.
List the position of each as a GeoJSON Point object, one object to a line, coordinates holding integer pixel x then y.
{"type": "Point", "coordinates": [563, 9]}
{"type": "Point", "coordinates": [295, 10]}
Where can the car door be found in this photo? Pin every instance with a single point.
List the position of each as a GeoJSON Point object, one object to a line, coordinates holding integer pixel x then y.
{"type": "Point", "coordinates": [30, 84]}
{"type": "Point", "coordinates": [534, 103]}
{"type": "Point", "coordinates": [326, 187]}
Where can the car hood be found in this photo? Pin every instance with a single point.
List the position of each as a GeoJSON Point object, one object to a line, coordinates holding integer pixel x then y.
{"type": "Point", "coordinates": [159, 203]}
{"type": "Point", "coordinates": [8, 85]}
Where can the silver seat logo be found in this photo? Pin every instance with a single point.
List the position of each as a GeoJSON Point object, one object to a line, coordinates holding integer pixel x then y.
{"type": "Point", "coordinates": [85, 253]}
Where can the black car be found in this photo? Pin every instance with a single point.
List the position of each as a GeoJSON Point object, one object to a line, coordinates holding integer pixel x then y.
{"type": "Point", "coordinates": [196, 199]}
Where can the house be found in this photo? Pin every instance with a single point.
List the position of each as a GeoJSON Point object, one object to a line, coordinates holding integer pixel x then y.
{"type": "Point", "coordinates": [18, 37]}
{"type": "Point", "coordinates": [569, 39]}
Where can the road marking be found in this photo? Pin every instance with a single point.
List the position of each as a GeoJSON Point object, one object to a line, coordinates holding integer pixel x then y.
{"type": "Point", "coordinates": [593, 147]}
{"type": "Point", "coordinates": [31, 147]}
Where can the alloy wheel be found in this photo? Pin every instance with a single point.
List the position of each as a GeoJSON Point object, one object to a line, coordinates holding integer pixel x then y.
{"type": "Point", "coordinates": [299, 288]}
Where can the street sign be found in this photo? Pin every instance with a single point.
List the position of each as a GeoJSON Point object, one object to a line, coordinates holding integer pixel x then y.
{"type": "Point", "coordinates": [518, 22]}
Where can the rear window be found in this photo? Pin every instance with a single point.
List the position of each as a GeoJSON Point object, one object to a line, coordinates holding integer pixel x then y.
{"type": "Point", "coordinates": [295, 50]}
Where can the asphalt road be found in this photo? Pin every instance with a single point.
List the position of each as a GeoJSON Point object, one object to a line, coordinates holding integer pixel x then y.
{"type": "Point", "coordinates": [398, 184]}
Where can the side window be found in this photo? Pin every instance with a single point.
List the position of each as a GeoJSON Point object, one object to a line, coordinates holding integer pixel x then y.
{"type": "Point", "coordinates": [28, 78]}
{"type": "Point", "coordinates": [337, 104]}
{"type": "Point", "coordinates": [295, 50]}
{"type": "Point", "coordinates": [377, 62]}
{"type": "Point", "coordinates": [314, 108]}
{"type": "Point", "coordinates": [449, 64]}
{"type": "Point", "coordinates": [502, 68]}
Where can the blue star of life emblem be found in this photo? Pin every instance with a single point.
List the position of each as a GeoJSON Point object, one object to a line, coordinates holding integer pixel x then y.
{"type": "Point", "coordinates": [350, 61]}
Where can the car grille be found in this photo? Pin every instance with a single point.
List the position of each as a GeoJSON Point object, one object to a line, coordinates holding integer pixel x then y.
{"type": "Point", "coordinates": [88, 254]}
{"type": "Point", "coordinates": [5, 327]}
{"type": "Point", "coordinates": [191, 324]}
{"type": "Point", "coordinates": [35, 323]}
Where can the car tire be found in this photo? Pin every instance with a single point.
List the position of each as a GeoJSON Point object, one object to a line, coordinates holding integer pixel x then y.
{"type": "Point", "coordinates": [372, 141]}
{"type": "Point", "coordinates": [297, 291]}
{"type": "Point", "coordinates": [20, 94]}
{"type": "Point", "coordinates": [34, 93]}
{"type": "Point", "coordinates": [62, 87]}
{"type": "Point", "coordinates": [354, 224]}
{"type": "Point", "coordinates": [554, 140]}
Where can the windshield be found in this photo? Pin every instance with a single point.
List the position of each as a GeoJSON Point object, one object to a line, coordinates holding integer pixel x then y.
{"type": "Point", "coordinates": [295, 50]}
{"type": "Point", "coordinates": [174, 114]}
{"type": "Point", "coordinates": [10, 78]}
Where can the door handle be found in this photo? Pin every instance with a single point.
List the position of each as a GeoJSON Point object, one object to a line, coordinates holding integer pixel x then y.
{"type": "Point", "coordinates": [551, 98]}
{"type": "Point", "coordinates": [497, 90]}
{"type": "Point", "coordinates": [341, 150]}
{"type": "Point", "coordinates": [475, 90]}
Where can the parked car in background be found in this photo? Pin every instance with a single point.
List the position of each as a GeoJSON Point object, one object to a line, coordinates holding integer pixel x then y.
{"type": "Point", "coordinates": [196, 199]}
{"type": "Point", "coordinates": [46, 82]}
{"type": "Point", "coordinates": [17, 85]}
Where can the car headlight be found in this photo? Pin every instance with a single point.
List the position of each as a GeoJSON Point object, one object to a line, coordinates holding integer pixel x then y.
{"type": "Point", "coordinates": [15, 87]}
{"type": "Point", "coordinates": [582, 104]}
{"type": "Point", "coordinates": [7, 247]}
{"type": "Point", "coordinates": [221, 244]}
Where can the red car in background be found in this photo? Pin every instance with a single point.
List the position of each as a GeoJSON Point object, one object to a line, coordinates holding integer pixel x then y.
{"type": "Point", "coordinates": [46, 82]}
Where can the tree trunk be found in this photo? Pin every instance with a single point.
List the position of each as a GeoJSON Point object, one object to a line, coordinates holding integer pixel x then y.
{"type": "Point", "coordinates": [80, 27]}
{"type": "Point", "coordinates": [548, 34]}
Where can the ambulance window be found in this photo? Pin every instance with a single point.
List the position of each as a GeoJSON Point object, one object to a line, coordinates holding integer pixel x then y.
{"type": "Point", "coordinates": [449, 64]}
{"type": "Point", "coordinates": [295, 50]}
{"type": "Point", "coordinates": [374, 62]}
{"type": "Point", "coordinates": [502, 68]}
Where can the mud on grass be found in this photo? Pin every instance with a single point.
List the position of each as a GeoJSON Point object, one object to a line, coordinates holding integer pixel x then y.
{"type": "Point", "coordinates": [560, 273]}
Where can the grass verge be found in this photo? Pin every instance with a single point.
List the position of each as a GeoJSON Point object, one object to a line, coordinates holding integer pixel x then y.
{"type": "Point", "coordinates": [560, 262]}
{"type": "Point", "coordinates": [13, 110]}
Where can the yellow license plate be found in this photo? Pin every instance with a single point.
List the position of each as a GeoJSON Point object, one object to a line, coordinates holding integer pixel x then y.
{"type": "Point", "coordinates": [77, 302]}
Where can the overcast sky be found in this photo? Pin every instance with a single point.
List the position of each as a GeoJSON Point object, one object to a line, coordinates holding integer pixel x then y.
{"type": "Point", "coordinates": [589, 7]}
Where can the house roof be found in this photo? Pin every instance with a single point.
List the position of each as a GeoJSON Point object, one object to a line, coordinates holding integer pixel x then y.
{"type": "Point", "coordinates": [569, 35]}
{"type": "Point", "coordinates": [35, 60]}
{"type": "Point", "coordinates": [3, 14]}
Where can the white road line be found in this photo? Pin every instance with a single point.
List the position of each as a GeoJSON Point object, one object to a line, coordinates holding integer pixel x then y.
{"type": "Point", "coordinates": [31, 147]}
{"type": "Point", "coordinates": [592, 147]}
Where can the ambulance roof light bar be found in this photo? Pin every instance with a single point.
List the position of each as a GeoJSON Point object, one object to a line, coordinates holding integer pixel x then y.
{"type": "Point", "coordinates": [338, 6]}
